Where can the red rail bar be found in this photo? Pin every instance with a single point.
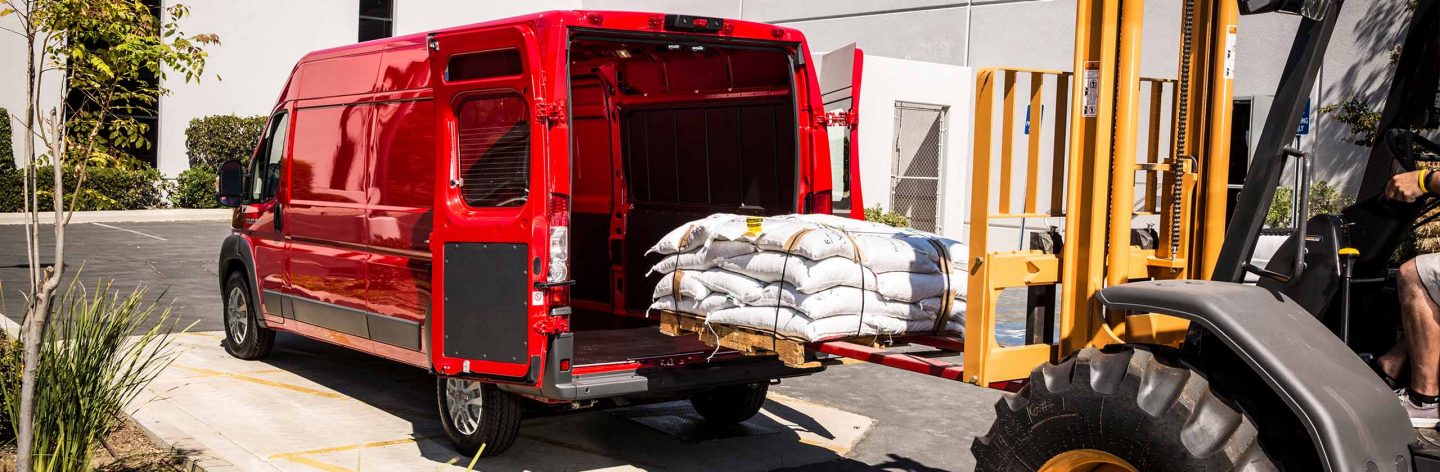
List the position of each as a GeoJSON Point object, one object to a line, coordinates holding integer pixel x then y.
{"type": "Point", "coordinates": [943, 343]}
{"type": "Point", "coordinates": [897, 360]}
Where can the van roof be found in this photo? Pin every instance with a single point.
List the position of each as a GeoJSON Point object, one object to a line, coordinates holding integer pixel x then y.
{"type": "Point", "coordinates": [617, 20]}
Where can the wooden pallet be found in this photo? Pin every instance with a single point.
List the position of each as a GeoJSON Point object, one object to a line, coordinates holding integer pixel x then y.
{"type": "Point", "coordinates": [749, 341]}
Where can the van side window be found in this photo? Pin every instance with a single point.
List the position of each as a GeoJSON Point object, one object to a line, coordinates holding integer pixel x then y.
{"type": "Point", "coordinates": [493, 138]}
{"type": "Point", "coordinates": [484, 65]}
{"type": "Point", "coordinates": [265, 171]}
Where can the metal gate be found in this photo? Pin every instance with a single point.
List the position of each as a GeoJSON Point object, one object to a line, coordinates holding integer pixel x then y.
{"type": "Point", "coordinates": [915, 168]}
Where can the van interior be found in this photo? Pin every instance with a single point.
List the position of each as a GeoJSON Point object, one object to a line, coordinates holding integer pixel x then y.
{"type": "Point", "coordinates": [665, 133]}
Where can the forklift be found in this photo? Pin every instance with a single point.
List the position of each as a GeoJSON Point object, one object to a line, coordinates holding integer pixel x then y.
{"type": "Point", "coordinates": [1153, 352]}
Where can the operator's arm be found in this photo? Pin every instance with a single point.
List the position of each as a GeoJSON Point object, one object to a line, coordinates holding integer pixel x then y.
{"type": "Point", "coordinates": [1408, 187]}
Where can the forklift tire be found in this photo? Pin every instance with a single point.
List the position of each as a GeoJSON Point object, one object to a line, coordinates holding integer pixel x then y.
{"type": "Point", "coordinates": [731, 404]}
{"type": "Point", "coordinates": [476, 413]}
{"type": "Point", "coordinates": [1118, 409]}
{"type": "Point", "coordinates": [244, 337]}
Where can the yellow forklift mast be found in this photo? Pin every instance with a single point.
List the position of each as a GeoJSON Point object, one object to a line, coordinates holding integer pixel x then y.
{"type": "Point", "coordinates": [1093, 180]}
{"type": "Point", "coordinates": [1162, 357]}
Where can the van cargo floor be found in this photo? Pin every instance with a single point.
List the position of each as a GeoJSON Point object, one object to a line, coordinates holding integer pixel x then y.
{"type": "Point", "coordinates": [599, 346]}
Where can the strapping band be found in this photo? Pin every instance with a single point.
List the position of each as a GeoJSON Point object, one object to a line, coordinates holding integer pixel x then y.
{"type": "Point", "coordinates": [684, 239]}
{"type": "Point", "coordinates": [675, 286]}
{"type": "Point", "coordinates": [947, 297]}
{"type": "Point", "coordinates": [795, 239]}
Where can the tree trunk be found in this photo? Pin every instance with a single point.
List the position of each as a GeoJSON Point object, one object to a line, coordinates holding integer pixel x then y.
{"type": "Point", "coordinates": [25, 423]}
{"type": "Point", "coordinates": [34, 336]}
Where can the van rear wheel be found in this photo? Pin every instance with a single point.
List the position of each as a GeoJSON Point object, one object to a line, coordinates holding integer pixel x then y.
{"type": "Point", "coordinates": [731, 404]}
{"type": "Point", "coordinates": [244, 337]}
{"type": "Point", "coordinates": [1120, 409]}
{"type": "Point", "coordinates": [476, 413]}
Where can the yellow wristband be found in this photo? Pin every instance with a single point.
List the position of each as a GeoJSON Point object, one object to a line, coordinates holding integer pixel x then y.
{"type": "Point", "coordinates": [1424, 175]}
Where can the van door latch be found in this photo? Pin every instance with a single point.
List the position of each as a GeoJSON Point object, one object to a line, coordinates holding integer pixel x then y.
{"type": "Point", "coordinates": [552, 325]}
{"type": "Point", "coordinates": [550, 113]}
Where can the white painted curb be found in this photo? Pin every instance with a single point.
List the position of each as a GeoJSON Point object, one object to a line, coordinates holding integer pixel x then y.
{"type": "Point", "coordinates": [126, 216]}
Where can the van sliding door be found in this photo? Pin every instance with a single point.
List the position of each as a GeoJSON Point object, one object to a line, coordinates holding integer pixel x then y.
{"type": "Point", "coordinates": [489, 229]}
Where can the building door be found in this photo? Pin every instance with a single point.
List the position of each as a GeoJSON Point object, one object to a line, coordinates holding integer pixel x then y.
{"type": "Point", "coordinates": [916, 167]}
{"type": "Point", "coordinates": [1239, 152]}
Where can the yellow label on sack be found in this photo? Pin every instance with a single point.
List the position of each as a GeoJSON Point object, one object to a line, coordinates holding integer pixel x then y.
{"type": "Point", "coordinates": [753, 225]}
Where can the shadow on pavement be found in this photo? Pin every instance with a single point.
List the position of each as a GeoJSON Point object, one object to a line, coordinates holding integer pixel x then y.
{"type": "Point", "coordinates": [895, 463]}
{"type": "Point", "coordinates": [666, 435]}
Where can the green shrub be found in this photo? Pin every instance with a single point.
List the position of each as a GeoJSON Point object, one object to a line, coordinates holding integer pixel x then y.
{"type": "Point", "coordinates": [1359, 114]}
{"type": "Point", "coordinates": [7, 151]}
{"type": "Point", "coordinates": [106, 188]}
{"type": "Point", "coordinates": [212, 140]}
{"type": "Point", "coordinates": [11, 363]}
{"type": "Point", "coordinates": [195, 188]}
{"type": "Point", "coordinates": [879, 215]}
{"type": "Point", "coordinates": [11, 190]}
{"type": "Point", "coordinates": [1323, 199]}
{"type": "Point", "coordinates": [99, 351]}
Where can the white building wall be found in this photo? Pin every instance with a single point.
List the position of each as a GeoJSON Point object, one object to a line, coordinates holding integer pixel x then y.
{"type": "Point", "coordinates": [415, 16]}
{"type": "Point", "coordinates": [12, 87]}
{"type": "Point", "coordinates": [884, 82]}
{"type": "Point", "coordinates": [260, 42]}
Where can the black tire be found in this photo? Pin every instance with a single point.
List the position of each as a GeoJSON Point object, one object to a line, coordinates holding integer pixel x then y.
{"type": "Point", "coordinates": [494, 424]}
{"type": "Point", "coordinates": [244, 338]}
{"type": "Point", "coordinates": [1125, 403]}
{"type": "Point", "coordinates": [731, 404]}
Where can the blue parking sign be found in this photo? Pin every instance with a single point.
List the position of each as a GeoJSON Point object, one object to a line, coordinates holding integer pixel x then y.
{"type": "Point", "coordinates": [1304, 127]}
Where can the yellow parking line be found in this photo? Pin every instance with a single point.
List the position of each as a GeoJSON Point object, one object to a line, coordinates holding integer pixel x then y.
{"type": "Point", "coordinates": [272, 383]}
{"type": "Point", "coordinates": [299, 456]}
{"type": "Point", "coordinates": [316, 464]}
{"type": "Point", "coordinates": [820, 444]}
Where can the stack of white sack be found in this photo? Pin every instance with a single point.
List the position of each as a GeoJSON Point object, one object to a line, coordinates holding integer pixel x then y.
{"type": "Point", "coordinates": [812, 277]}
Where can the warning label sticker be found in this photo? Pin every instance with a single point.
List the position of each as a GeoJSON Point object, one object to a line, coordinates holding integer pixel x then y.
{"type": "Point", "coordinates": [1231, 34]}
{"type": "Point", "coordinates": [1091, 89]}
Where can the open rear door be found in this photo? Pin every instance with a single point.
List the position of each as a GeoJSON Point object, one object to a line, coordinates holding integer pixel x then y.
{"type": "Point", "coordinates": [489, 232]}
{"type": "Point", "coordinates": [840, 90]}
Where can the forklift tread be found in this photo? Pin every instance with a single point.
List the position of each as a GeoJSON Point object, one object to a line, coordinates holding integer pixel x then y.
{"type": "Point", "coordinates": [1126, 403]}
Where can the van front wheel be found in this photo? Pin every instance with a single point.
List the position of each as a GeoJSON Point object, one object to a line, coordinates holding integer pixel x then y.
{"type": "Point", "coordinates": [244, 338]}
{"type": "Point", "coordinates": [731, 404]}
{"type": "Point", "coordinates": [477, 413]}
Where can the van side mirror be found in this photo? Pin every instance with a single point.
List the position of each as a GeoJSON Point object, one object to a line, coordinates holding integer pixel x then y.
{"type": "Point", "coordinates": [230, 184]}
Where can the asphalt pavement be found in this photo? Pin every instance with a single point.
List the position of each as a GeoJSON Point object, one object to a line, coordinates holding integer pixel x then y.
{"type": "Point", "coordinates": [920, 423]}
{"type": "Point", "coordinates": [175, 262]}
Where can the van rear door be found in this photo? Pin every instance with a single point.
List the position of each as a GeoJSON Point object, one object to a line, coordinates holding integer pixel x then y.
{"type": "Point", "coordinates": [490, 197]}
{"type": "Point", "coordinates": [840, 72]}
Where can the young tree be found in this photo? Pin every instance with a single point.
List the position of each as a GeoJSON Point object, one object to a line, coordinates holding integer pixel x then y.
{"type": "Point", "coordinates": [102, 51]}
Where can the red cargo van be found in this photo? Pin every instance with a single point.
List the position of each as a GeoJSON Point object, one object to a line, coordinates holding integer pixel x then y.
{"type": "Point", "coordinates": [477, 201]}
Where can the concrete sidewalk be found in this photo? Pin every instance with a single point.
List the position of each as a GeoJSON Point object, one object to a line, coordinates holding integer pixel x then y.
{"type": "Point", "coordinates": [127, 216]}
{"type": "Point", "coordinates": [312, 406]}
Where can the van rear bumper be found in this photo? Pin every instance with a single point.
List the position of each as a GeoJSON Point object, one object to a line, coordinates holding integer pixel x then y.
{"type": "Point", "coordinates": [563, 386]}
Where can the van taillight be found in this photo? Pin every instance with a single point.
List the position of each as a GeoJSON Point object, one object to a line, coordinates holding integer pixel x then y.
{"type": "Point", "coordinates": [558, 293]}
{"type": "Point", "coordinates": [820, 203]}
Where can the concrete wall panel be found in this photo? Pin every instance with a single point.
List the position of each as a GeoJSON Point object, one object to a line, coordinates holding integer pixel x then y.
{"type": "Point", "coordinates": [260, 43]}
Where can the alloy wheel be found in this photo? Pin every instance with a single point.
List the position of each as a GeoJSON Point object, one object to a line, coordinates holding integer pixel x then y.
{"type": "Point", "coordinates": [463, 400]}
{"type": "Point", "coordinates": [237, 314]}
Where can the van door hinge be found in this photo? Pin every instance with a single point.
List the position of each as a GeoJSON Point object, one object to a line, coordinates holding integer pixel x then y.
{"type": "Point", "coordinates": [552, 325]}
{"type": "Point", "coordinates": [550, 113]}
{"type": "Point", "coordinates": [839, 118]}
